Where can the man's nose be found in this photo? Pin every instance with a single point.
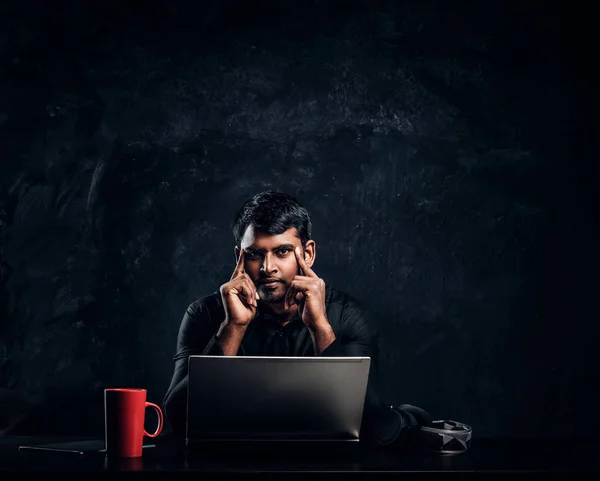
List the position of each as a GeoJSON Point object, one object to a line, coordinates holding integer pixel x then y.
{"type": "Point", "coordinates": [268, 265]}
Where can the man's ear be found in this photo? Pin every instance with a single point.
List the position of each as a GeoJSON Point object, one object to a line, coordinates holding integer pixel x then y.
{"type": "Point", "coordinates": [310, 253]}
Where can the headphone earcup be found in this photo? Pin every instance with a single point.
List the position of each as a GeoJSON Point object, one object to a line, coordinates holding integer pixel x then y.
{"type": "Point", "coordinates": [422, 417]}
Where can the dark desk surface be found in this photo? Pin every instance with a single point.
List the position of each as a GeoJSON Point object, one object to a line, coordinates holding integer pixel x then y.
{"type": "Point", "coordinates": [484, 456]}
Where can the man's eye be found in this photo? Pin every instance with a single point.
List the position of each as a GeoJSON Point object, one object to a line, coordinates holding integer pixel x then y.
{"type": "Point", "coordinates": [251, 255]}
{"type": "Point", "coordinates": [284, 251]}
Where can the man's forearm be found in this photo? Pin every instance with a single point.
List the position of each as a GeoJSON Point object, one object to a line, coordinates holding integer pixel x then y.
{"type": "Point", "coordinates": [322, 336]}
{"type": "Point", "coordinates": [229, 338]}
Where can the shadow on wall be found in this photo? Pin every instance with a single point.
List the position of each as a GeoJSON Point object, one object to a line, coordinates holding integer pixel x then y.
{"type": "Point", "coordinates": [13, 407]}
{"type": "Point", "coordinates": [69, 414]}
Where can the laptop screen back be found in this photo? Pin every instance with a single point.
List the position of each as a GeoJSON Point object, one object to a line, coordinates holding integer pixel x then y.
{"type": "Point", "coordinates": [276, 398]}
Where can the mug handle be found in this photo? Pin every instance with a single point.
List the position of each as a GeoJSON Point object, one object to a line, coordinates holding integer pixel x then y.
{"type": "Point", "coordinates": [160, 421]}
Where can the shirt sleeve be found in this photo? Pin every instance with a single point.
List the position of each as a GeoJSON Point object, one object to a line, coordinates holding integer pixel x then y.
{"type": "Point", "coordinates": [196, 336]}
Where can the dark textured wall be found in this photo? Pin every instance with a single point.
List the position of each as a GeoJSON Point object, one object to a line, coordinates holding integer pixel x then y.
{"type": "Point", "coordinates": [440, 150]}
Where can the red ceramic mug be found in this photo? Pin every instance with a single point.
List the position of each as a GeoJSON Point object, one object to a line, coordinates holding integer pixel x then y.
{"type": "Point", "coordinates": [124, 414]}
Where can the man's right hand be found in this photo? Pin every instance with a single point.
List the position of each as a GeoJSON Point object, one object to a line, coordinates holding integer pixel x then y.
{"type": "Point", "coordinates": [239, 296]}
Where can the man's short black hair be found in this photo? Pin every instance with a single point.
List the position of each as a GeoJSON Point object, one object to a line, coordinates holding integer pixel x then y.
{"type": "Point", "coordinates": [272, 212]}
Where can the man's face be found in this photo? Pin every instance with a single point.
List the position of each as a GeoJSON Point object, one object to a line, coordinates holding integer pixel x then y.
{"type": "Point", "coordinates": [271, 258]}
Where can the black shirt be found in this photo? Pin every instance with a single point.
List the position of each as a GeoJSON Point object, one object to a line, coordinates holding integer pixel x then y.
{"type": "Point", "coordinates": [351, 322]}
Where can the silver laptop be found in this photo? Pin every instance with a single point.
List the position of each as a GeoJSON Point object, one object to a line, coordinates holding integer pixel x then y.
{"type": "Point", "coordinates": [247, 398]}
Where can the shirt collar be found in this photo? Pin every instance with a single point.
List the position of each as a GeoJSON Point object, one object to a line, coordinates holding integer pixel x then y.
{"type": "Point", "coordinates": [272, 320]}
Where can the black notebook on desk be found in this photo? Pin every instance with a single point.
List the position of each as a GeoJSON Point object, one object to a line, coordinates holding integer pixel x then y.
{"type": "Point", "coordinates": [77, 447]}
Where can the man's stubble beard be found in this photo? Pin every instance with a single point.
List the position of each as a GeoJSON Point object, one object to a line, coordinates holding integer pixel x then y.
{"type": "Point", "coordinates": [270, 297]}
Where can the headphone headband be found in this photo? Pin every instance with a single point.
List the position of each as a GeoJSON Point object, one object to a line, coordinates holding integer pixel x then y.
{"type": "Point", "coordinates": [445, 437]}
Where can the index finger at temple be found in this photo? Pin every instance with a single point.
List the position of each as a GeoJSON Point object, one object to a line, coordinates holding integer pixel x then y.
{"type": "Point", "coordinates": [239, 268]}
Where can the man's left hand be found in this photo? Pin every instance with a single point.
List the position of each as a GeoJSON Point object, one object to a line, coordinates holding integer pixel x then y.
{"type": "Point", "coordinates": [308, 291]}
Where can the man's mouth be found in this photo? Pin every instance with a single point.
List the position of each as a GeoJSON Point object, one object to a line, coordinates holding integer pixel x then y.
{"type": "Point", "coordinates": [270, 283]}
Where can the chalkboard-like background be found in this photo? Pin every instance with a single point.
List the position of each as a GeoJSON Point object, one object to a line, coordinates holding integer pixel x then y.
{"type": "Point", "coordinates": [443, 152]}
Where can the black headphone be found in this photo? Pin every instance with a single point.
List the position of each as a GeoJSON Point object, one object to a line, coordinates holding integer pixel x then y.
{"type": "Point", "coordinates": [425, 434]}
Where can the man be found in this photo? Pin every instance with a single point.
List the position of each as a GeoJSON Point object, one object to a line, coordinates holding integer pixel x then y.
{"type": "Point", "coordinates": [275, 304]}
